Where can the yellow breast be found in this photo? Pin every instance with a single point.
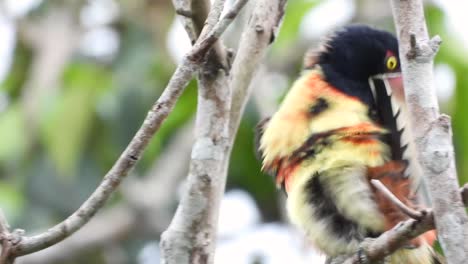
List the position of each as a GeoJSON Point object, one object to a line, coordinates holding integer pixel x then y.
{"type": "Point", "coordinates": [293, 123]}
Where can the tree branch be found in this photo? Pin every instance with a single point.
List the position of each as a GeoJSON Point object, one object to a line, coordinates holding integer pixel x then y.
{"type": "Point", "coordinates": [390, 241]}
{"type": "Point", "coordinates": [260, 32]}
{"type": "Point", "coordinates": [145, 210]}
{"type": "Point", "coordinates": [126, 161]}
{"type": "Point", "coordinates": [132, 153]}
{"type": "Point", "coordinates": [390, 196]}
{"type": "Point", "coordinates": [191, 236]}
{"type": "Point", "coordinates": [393, 239]}
{"type": "Point", "coordinates": [432, 131]}
{"type": "Point", "coordinates": [5, 247]}
{"type": "Point", "coordinates": [154, 196]}
{"type": "Point", "coordinates": [102, 229]}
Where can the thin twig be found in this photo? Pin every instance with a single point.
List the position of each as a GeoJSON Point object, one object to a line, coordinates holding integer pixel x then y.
{"type": "Point", "coordinates": [216, 10]}
{"type": "Point", "coordinates": [184, 13]}
{"type": "Point", "coordinates": [134, 150]}
{"type": "Point", "coordinates": [218, 29]}
{"type": "Point", "coordinates": [390, 196]}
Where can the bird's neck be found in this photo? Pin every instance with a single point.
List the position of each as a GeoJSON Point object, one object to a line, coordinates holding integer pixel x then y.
{"type": "Point", "coordinates": [354, 87]}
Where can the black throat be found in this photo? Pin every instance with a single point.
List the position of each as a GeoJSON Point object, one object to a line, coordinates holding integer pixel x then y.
{"type": "Point", "coordinates": [359, 89]}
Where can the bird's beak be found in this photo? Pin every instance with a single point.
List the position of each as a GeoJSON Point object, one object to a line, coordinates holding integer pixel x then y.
{"type": "Point", "coordinates": [389, 84]}
{"type": "Point", "coordinates": [389, 98]}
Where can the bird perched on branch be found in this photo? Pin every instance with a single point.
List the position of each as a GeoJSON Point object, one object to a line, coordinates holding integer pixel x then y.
{"type": "Point", "coordinates": [339, 127]}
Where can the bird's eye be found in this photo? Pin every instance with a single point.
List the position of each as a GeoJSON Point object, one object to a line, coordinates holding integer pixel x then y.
{"type": "Point", "coordinates": [392, 63]}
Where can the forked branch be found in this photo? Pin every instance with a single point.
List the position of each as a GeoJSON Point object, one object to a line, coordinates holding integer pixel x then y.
{"type": "Point", "coordinates": [158, 113]}
{"type": "Point", "coordinates": [393, 239]}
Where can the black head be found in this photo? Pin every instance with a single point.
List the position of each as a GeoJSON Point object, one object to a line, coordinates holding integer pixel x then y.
{"type": "Point", "coordinates": [354, 53]}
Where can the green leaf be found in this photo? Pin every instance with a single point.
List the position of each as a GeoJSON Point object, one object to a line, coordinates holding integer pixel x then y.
{"type": "Point", "coordinates": [67, 124]}
{"type": "Point", "coordinates": [12, 134]}
{"type": "Point", "coordinates": [19, 71]}
{"type": "Point", "coordinates": [11, 200]}
{"type": "Point", "coordinates": [295, 11]}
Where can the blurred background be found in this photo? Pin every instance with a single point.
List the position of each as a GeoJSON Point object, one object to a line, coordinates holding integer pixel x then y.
{"type": "Point", "coordinates": [77, 78]}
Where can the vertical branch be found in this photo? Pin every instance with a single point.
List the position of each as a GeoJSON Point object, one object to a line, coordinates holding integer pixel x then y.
{"type": "Point", "coordinates": [432, 131]}
{"type": "Point", "coordinates": [260, 32]}
{"type": "Point", "coordinates": [191, 235]}
{"type": "Point", "coordinates": [190, 238]}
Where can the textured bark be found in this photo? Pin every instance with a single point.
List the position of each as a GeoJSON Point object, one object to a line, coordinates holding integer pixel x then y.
{"type": "Point", "coordinates": [260, 32]}
{"type": "Point", "coordinates": [192, 234]}
{"type": "Point", "coordinates": [390, 241]}
{"type": "Point", "coordinates": [433, 138]}
{"type": "Point", "coordinates": [432, 131]}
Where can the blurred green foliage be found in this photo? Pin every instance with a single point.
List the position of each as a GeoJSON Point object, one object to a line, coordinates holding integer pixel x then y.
{"type": "Point", "coordinates": [295, 11]}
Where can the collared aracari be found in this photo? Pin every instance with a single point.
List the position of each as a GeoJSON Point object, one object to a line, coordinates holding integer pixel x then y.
{"type": "Point", "coordinates": [339, 126]}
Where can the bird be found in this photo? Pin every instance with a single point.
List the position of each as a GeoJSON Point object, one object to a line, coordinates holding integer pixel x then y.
{"type": "Point", "coordinates": [338, 127]}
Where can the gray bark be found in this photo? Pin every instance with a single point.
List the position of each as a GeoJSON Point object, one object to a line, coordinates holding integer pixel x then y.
{"type": "Point", "coordinates": [432, 131]}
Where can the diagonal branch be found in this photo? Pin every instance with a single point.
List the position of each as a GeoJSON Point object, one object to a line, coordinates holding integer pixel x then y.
{"type": "Point", "coordinates": [390, 196]}
{"type": "Point", "coordinates": [134, 150]}
{"type": "Point", "coordinates": [377, 249]}
{"type": "Point", "coordinates": [393, 239]}
{"type": "Point", "coordinates": [200, 15]}
{"type": "Point", "coordinates": [432, 131]}
{"type": "Point", "coordinates": [145, 210]}
{"type": "Point", "coordinates": [102, 229]}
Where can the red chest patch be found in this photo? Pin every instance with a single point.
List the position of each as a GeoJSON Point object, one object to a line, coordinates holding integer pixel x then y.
{"type": "Point", "coordinates": [285, 172]}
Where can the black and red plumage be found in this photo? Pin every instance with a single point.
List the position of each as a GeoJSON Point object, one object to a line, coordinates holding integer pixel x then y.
{"type": "Point", "coordinates": [332, 134]}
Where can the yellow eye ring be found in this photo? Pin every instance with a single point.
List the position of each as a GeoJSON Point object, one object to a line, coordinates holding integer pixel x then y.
{"type": "Point", "coordinates": [392, 63]}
